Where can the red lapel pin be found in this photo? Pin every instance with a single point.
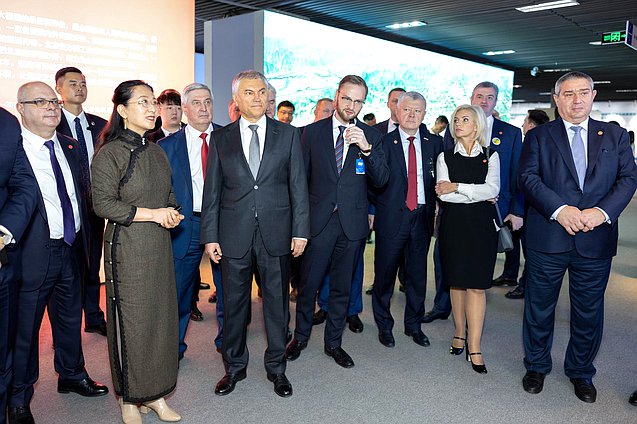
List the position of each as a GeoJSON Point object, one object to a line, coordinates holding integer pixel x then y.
{"type": "Point", "coordinates": [71, 146]}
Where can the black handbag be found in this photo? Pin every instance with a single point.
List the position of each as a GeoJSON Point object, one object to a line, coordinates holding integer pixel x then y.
{"type": "Point", "coordinates": [505, 238]}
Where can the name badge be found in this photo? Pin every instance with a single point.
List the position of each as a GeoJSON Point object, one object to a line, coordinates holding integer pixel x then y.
{"type": "Point", "coordinates": [360, 167]}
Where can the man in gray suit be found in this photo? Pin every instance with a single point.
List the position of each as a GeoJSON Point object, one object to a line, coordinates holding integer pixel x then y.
{"type": "Point", "coordinates": [256, 209]}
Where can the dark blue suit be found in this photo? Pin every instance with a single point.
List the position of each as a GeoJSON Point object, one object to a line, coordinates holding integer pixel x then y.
{"type": "Point", "coordinates": [93, 314]}
{"type": "Point", "coordinates": [54, 275]}
{"type": "Point", "coordinates": [549, 180]}
{"type": "Point", "coordinates": [187, 250]}
{"type": "Point", "coordinates": [400, 231]}
{"type": "Point", "coordinates": [17, 202]}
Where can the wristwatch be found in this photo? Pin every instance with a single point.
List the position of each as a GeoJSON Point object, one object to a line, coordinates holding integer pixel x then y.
{"type": "Point", "coordinates": [367, 150]}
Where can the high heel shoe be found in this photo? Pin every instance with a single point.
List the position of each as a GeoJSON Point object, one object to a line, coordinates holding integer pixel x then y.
{"type": "Point", "coordinates": [480, 369]}
{"type": "Point", "coordinates": [163, 411]}
{"type": "Point", "coordinates": [457, 350]}
{"type": "Point", "coordinates": [130, 413]}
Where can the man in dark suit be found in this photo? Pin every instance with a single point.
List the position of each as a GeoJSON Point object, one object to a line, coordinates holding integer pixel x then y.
{"type": "Point", "coordinates": [405, 211]}
{"type": "Point", "coordinates": [170, 113]}
{"type": "Point", "coordinates": [578, 175]}
{"type": "Point", "coordinates": [187, 151]}
{"type": "Point", "coordinates": [17, 202]}
{"type": "Point", "coordinates": [85, 128]}
{"type": "Point", "coordinates": [340, 159]}
{"type": "Point", "coordinates": [505, 139]}
{"type": "Point", "coordinates": [391, 124]}
{"type": "Point", "coordinates": [255, 209]}
{"type": "Point", "coordinates": [56, 238]}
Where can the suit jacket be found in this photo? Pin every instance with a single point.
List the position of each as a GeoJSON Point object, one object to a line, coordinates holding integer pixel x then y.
{"type": "Point", "coordinates": [232, 195]}
{"type": "Point", "coordinates": [95, 126]}
{"type": "Point", "coordinates": [348, 190]}
{"type": "Point", "coordinates": [390, 199]}
{"type": "Point", "coordinates": [177, 152]}
{"type": "Point", "coordinates": [549, 180]}
{"type": "Point", "coordinates": [382, 126]}
{"type": "Point", "coordinates": [507, 141]}
{"type": "Point", "coordinates": [35, 242]}
{"type": "Point", "coordinates": [157, 134]}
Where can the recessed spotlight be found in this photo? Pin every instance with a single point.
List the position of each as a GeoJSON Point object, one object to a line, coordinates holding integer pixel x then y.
{"type": "Point", "coordinates": [499, 52]}
{"type": "Point", "coordinates": [518, 101]}
{"type": "Point", "coordinates": [629, 90]}
{"type": "Point", "coordinates": [601, 82]}
{"type": "Point", "coordinates": [517, 86]}
{"type": "Point", "coordinates": [412, 24]}
{"type": "Point", "coordinates": [545, 93]}
{"type": "Point", "coordinates": [557, 70]}
{"type": "Point", "coordinates": [548, 5]}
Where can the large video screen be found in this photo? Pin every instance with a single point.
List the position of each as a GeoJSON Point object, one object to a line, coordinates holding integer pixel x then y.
{"type": "Point", "coordinates": [304, 61]}
{"type": "Point", "coordinates": [109, 41]}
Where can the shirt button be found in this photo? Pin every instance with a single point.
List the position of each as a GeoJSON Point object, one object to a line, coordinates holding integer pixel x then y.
{"type": "Point", "coordinates": [256, 187]}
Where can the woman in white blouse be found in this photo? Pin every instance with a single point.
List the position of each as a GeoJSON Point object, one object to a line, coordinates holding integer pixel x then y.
{"type": "Point", "coordinates": [468, 184]}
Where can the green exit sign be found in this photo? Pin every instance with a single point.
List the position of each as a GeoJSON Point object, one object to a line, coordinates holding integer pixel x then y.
{"type": "Point", "coordinates": [613, 37]}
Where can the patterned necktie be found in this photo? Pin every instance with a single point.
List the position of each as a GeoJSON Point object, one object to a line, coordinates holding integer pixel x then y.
{"type": "Point", "coordinates": [204, 153]}
{"type": "Point", "coordinates": [84, 164]}
{"type": "Point", "coordinates": [338, 149]}
{"type": "Point", "coordinates": [67, 210]}
{"type": "Point", "coordinates": [579, 154]}
{"type": "Point", "coordinates": [254, 158]}
{"type": "Point", "coordinates": [412, 176]}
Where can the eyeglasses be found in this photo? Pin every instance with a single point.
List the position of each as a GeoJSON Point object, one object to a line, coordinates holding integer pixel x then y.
{"type": "Point", "coordinates": [145, 103]}
{"type": "Point", "coordinates": [44, 103]}
{"type": "Point", "coordinates": [357, 103]}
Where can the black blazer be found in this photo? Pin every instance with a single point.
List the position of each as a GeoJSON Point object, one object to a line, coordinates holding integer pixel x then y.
{"type": "Point", "coordinates": [382, 126]}
{"type": "Point", "coordinates": [35, 242]}
{"type": "Point", "coordinates": [232, 194]}
{"type": "Point", "coordinates": [95, 126]}
{"type": "Point", "coordinates": [348, 190]}
{"type": "Point", "coordinates": [157, 134]}
{"type": "Point", "coordinates": [390, 199]}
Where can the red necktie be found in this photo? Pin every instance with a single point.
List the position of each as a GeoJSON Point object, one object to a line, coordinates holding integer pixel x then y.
{"type": "Point", "coordinates": [412, 177]}
{"type": "Point", "coordinates": [204, 153]}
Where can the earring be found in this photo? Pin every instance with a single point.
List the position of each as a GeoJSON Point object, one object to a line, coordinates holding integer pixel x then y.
{"type": "Point", "coordinates": [125, 127]}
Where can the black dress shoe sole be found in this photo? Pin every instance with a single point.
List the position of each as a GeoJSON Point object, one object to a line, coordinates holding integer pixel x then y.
{"type": "Point", "coordinates": [585, 397]}
{"type": "Point", "coordinates": [97, 330]}
{"type": "Point", "coordinates": [82, 393]}
{"type": "Point", "coordinates": [278, 390]}
{"type": "Point", "coordinates": [423, 343]}
{"type": "Point", "coordinates": [386, 343]}
{"type": "Point", "coordinates": [230, 389]}
{"type": "Point", "coordinates": [297, 353]}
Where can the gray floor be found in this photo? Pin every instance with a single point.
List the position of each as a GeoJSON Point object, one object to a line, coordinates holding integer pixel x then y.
{"type": "Point", "coordinates": [407, 384]}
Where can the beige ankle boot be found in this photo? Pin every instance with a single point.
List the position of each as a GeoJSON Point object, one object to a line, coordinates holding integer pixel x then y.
{"type": "Point", "coordinates": [130, 413]}
{"type": "Point", "coordinates": [162, 410]}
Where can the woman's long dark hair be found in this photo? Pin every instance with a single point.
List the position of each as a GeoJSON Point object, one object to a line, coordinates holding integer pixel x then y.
{"type": "Point", "coordinates": [115, 127]}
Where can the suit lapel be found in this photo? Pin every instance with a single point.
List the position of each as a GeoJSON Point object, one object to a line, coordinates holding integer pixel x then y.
{"type": "Point", "coordinates": [236, 149]}
{"type": "Point", "coordinates": [63, 126]}
{"type": "Point", "coordinates": [182, 158]}
{"type": "Point", "coordinates": [326, 138]}
{"type": "Point", "coordinates": [558, 133]}
{"type": "Point", "coordinates": [74, 165]}
{"type": "Point", "coordinates": [271, 132]}
{"type": "Point", "coordinates": [595, 136]}
{"type": "Point", "coordinates": [93, 128]}
{"type": "Point", "coordinates": [426, 148]}
{"type": "Point", "coordinates": [398, 152]}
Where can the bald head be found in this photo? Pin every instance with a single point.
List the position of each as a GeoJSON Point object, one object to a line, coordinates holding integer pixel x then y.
{"type": "Point", "coordinates": [41, 119]}
{"type": "Point", "coordinates": [324, 109]}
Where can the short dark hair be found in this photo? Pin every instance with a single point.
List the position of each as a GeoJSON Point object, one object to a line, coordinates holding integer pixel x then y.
{"type": "Point", "coordinates": [538, 116]}
{"type": "Point", "coordinates": [169, 97]}
{"type": "Point", "coordinates": [571, 76]}
{"type": "Point", "coordinates": [353, 79]}
{"type": "Point", "coordinates": [393, 90]}
{"type": "Point", "coordinates": [486, 84]}
{"type": "Point", "coordinates": [285, 103]}
{"type": "Point", "coordinates": [369, 116]}
{"type": "Point", "coordinates": [69, 69]}
{"type": "Point", "coordinates": [443, 119]}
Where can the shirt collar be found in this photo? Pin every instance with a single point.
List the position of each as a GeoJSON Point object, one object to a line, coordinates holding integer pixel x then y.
{"type": "Point", "coordinates": [583, 124]}
{"type": "Point", "coordinates": [336, 123]}
{"type": "Point", "coordinates": [477, 148]}
{"type": "Point", "coordinates": [70, 117]}
{"type": "Point", "coordinates": [404, 135]}
{"type": "Point", "coordinates": [35, 140]}
{"type": "Point", "coordinates": [195, 133]}
{"type": "Point", "coordinates": [244, 123]}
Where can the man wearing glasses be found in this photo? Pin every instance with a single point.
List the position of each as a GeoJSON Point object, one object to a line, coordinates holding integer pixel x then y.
{"type": "Point", "coordinates": [340, 159]}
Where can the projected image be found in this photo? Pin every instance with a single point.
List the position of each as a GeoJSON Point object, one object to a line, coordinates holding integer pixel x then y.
{"type": "Point", "coordinates": [305, 61]}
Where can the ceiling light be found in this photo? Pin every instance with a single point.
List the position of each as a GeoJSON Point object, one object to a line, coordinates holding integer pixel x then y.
{"type": "Point", "coordinates": [517, 86]}
{"type": "Point", "coordinates": [557, 70]}
{"type": "Point", "coordinates": [595, 43]}
{"type": "Point", "coordinates": [499, 52]}
{"type": "Point", "coordinates": [518, 101]}
{"type": "Point", "coordinates": [601, 82]}
{"type": "Point", "coordinates": [548, 5]}
{"type": "Point", "coordinates": [545, 93]}
{"type": "Point", "coordinates": [412, 24]}
{"type": "Point", "coordinates": [630, 90]}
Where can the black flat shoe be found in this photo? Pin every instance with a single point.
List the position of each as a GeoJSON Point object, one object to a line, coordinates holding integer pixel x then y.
{"type": "Point", "coordinates": [504, 281]}
{"type": "Point", "coordinates": [386, 338]}
{"type": "Point", "coordinates": [419, 337]}
{"type": "Point", "coordinates": [340, 356]}
{"type": "Point", "coordinates": [533, 382]}
{"type": "Point", "coordinates": [20, 415]}
{"type": "Point", "coordinates": [355, 324]}
{"type": "Point", "coordinates": [282, 386]}
{"type": "Point", "coordinates": [480, 369]}
{"type": "Point", "coordinates": [293, 351]}
{"type": "Point", "coordinates": [516, 293]}
{"type": "Point", "coordinates": [226, 384]}
{"type": "Point", "coordinates": [319, 317]}
{"type": "Point", "coordinates": [97, 328]}
{"type": "Point", "coordinates": [457, 350]}
{"type": "Point", "coordinates": [431, 316]}
{"type": "Point", "coordinates": [195, 313]}
{"type": "Point", "coordinates": [213, 298]}
{"type": "Point", "coordinates": [584, 389]}
{"type": "Point", "coordinates": [86, 387]}
{"type": "Point", "coordinates": [369, 290]}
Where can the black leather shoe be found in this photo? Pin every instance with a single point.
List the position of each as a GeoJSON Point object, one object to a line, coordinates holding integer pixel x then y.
{"type": "Point", "coordinates": [419, 337]}
{"type": "Point", "coordinates": [369, 290]}
{"type": "Point", "coordinates": [504, 281]}
{"type": "Point", "coordinates": [319, 317]}
{"type": "Point", "coordinates": [293, 351]}
{"type": "Point", "coordinates": [195, 313]}
{"type": "Point", "coordinates": [20, 415]}
{"type": "Point", "coordinates": [204, 286]}
{"type": "Point", "coordinates": [213, 298]}
{"type": "Point", "coordinates": [432, 315]}
{"type": "Point", "coordinates": [97, 328]}
{"type": "Point", "coordinates": [386, 338]}
{"type": "Point", "coordinates": [86, 387]}
{"type": "Point", "coordinates": [533, 382]}
{"type": "Point", "coordinates": [584, 389]}
{"type": "Point", "coordinates": [282, 386]}
{"type": "Point", "coordinates": [355, 324]}
{"type": "Point", "coordinates": [340, 356]}
{"type": "Point", "coordinates": [516, 293]}
{"type": "Point", "coordinates": [226, 384]}
{"type": "Point", "coordinates": [633, 398]}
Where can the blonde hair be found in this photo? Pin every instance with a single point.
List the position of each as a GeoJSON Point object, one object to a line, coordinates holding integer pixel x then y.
{"type": "Point", "coordinates": [478, 116]}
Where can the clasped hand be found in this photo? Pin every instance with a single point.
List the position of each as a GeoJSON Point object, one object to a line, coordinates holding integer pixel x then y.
{"type": "Point", "coordinates": [167, 217]}
{"type": "Point", "coordinates": [445, 187]}
{"type": "Point", "coordinates": [574, 220]}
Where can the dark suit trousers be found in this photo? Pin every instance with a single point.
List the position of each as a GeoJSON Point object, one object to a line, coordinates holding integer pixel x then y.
{"type": "Point", "coordinates": [62, 287]}
{"type": "Point", "coordinates": [442, 300]}
{"type": "Point", "coordinates": [332, 251]}
{"type": "Point", "coordinates": [237, 286]}
{"type": "Point", "coordinates": [8, 311]}
{"type": "Point", "coordinates": [93, 315]}
{"type": "Point", "coordinates": [412, 243]}
{"type": "Point", "coordinates": [587, 283]}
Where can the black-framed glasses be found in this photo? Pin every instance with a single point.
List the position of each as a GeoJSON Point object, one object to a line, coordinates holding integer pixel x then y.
{"type": "Point", "coordinates": [44, 103]}
{"type": "Point", "coordinates": [357, 103]}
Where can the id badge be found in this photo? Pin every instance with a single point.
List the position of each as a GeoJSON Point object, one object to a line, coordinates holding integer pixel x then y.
{"type": "Point", "coordinates": [360, 167]}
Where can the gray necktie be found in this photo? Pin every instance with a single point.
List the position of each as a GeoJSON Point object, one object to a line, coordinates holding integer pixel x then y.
{"type": "Point", "coordinates": [253, 153]}
{"type": "Point", "coordinates": [579, 154]}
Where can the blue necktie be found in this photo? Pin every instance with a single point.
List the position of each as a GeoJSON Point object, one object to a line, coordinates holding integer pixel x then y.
{"type": "Point", "coordinates": [84, 166]}
{"type": "Point", "coordinates": [579, 154]}
{"type": "Point", "coordinates": [338, 149]}
{"type": "Point", "coordinates": [67, 209]}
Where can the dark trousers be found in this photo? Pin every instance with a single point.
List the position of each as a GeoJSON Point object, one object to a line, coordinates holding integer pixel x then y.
{"type": "Point", "coordinates": [295, 272]}
{"type": "Point", "coordinates": [442, 301]}
{"type": "Point", "coordinates": [62, 291]}
{"type": "Point", "coordinates": [329, 251]}
{"type": "Point", "coordinates": [411, 243]}
{"type": "Point", "coordinates": [8, 310]}
{"type": "Point", "coordinates": [217, 281]}
{"type": "Point", "coordinates": [587, 283]}
{"type": "Point", "coordinates": [355, 304]}
{"type": "Point", "coordinates": [237, 285]}
{"type": "Point", "coordinates": [93, 315]}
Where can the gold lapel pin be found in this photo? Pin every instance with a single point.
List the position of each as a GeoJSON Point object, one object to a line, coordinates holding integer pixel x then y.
{"type": "Point", "coordinates": [600, 132]}
{"type": "Point", "coordinates": [500, 132]}
{"type": "Point", "coordinates": [395, 141]}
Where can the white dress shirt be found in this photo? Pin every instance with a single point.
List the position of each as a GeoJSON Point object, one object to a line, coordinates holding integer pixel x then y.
{"type": "Point", "coordinates": [246, 135]}
{"type": "Point", "coordinates": [193, 145]}
{"type": "Point", "coordinates": [489, 130]}
{"type": "Point", "coordinates": [335, 132]}
{"type": "Point", "coordinates": [88, 135]}
{"type": "Point", "coordinates": [391, 125]}
{"type": "Point", "coordinates": [471, 193]}
{"type": "Point", "coordinates": [419, 164]}
{"type": "Point", "coordinates": [40, 160]}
